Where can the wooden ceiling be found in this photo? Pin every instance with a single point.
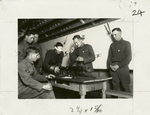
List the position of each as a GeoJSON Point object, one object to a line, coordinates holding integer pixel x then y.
{"type": "Point", "coordinates": [49, 29]}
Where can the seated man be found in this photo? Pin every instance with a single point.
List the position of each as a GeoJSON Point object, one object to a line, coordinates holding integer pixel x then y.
{"type": "Point", "coordinates": [82, 55]}
{"type": "Point", "coordinates": [53, 59]}
{"type": "Point", "coordinates": [29, 85]}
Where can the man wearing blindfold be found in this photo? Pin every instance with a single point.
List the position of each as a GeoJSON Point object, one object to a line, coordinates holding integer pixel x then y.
{"type": "Point", "coordinates": [53, 59]}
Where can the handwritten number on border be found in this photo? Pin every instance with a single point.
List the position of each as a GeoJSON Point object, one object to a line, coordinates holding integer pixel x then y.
{"type": "Point", "coordinates": [96, 109]}
{"type": "Point", "coordinates": [139, 12]}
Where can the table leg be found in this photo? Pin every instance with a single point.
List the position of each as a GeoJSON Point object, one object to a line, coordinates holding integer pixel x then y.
{"type": "Point", "coordinates": [82, 91]}
{"type": "Point", "coordinates": [104, 89]}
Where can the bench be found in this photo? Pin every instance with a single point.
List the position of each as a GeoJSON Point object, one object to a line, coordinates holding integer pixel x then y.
{"type": "Point", "coordinates": [119, 93]}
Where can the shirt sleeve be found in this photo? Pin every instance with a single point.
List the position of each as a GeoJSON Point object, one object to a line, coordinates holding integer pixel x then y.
{"type": "Point", "coordinates": [27, 78]}
{"type": "Point", "coordinates": [41, 78]}
{"type": "Point", "coordinates": [91, 56]}
{"type": "Point", "coordinates": [128, 56]}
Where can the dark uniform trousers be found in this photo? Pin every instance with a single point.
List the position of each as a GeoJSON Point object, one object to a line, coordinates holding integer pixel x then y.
{"type": "Point", "coordinates": [121, 75]}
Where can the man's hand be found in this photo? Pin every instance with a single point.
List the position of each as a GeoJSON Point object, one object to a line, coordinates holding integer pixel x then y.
{"type": "Point", "coordinates": [50, 76]}
{"type": "Point", "coordinates": [52, 68]}
{"type": "Point", "coordinates": [114, 67]}
{"type": "Point", "coordinates": [57, 70]}
{"type": "Point", "coordinates": [47, 87]}
{"type": "Point", "coordinates": [79, 58]}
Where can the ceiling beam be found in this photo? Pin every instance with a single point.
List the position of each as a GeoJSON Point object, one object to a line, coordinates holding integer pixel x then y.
{"type": "Point", "coordinates": [72, 26]}
{"type": "Point", "coordinates": [96, 22]}
{"type": "Point", "coordinates": [24, 22]}
{"type": "Point", "coordinates": [41, 24]}
{"type": "Point", "coordinates": [56, 25]}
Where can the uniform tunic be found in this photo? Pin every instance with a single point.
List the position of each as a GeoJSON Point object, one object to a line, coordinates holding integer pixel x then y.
{"type": "Point", "coordinates": [29, 81]}
{"type": "Point", "coordinates": [39, 62]}
{"type": "Point", "coordinates": [120, 54]}
{"type": "Point", "coordinates": [52, 59]}
{"type": "Point", "coordinates": [22, 48]}
{"type": "Point", "coordinates": [86, 51]}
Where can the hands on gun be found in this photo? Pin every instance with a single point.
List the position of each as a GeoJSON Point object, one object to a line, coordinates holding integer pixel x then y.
{"type": "Point", "coordinates": [80, 59]}
{"type": "Point", "coordinates": [55, 69]}
{"type": "Point", "coordinates": [50, 76]}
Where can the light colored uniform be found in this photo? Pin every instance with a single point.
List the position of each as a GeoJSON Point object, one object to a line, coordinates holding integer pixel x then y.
{"type": "Point", "coordinates": [29, 82]}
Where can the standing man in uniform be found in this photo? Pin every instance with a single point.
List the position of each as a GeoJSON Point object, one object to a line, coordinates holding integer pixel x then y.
{"type": "Point", "coordinates": [38, 63]}
{"type": "Point", "coordinates": [27, 42]}
{"type": "Point", "coordinates": [82, 55]}
{"type": "Point", "coordinates": [118, 59]}
{"type": "Point", "coordinates": [29, 81]}
{"type": "Point", "coordinates": [53, 59]}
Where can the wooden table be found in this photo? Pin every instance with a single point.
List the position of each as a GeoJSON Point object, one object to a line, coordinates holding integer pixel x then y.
{"type": "Point", "coordinates": [81, 84]}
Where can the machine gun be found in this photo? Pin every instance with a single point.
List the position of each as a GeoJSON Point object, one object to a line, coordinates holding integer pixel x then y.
{"type": "Point", "coordinates": [72, 70]}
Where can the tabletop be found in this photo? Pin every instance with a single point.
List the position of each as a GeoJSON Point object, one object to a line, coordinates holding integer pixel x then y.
{"type": "Point", "coordinates": [81, 79]}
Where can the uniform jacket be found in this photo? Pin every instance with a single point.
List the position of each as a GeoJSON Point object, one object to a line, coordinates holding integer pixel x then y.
{"type": "Point", "coordinates": [22, 47]}
{"type": "Point", "coordinates": [120, 53]}
{"type": "Point", "coordinates": [85, 51]}
{"type": "Point", "coordinates": [52, 59]}
{"type": "Point", "coordinates": [28, 77]}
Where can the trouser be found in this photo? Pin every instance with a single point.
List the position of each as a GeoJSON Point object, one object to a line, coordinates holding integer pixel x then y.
{"type": "Point", "coordinates": [34, 94]}
{"type": "Point", "coordinates": [46, 95]}
{"type": "Point", "coordinates": [121, 75]}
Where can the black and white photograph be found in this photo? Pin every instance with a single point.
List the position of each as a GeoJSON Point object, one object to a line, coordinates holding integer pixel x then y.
{"type": "Point", "coordinates": [74, 57]}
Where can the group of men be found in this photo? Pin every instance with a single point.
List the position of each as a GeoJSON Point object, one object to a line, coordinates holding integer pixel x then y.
{"type": "Point", "coordinates": [34, 73]}
{"type": "Point", "coordinates": [30, 76]}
